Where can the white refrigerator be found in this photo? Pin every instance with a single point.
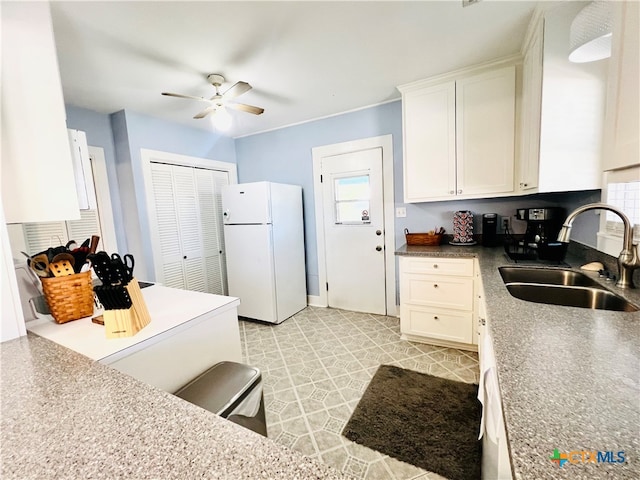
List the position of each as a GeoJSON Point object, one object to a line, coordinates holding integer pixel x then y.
{"type": "Point", "coordinates": [264, 243]}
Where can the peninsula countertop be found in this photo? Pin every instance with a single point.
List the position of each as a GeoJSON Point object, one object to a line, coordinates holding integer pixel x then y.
{"type": "Point", "coordinates": [66, 416]}
{"type": "Point", "coordinates": [569, 377]}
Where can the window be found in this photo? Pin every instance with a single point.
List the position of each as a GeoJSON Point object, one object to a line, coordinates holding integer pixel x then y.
{"type": "Point", "coordinates": [622, 190]}
{"type": "Point", "coordinates": [352, 195]}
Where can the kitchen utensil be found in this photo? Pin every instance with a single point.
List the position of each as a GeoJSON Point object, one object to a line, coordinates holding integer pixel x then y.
{"type": "Point", "coordinates": [101, 263]}
{"type": "Point", "coordinates": [40, 265]}
{"type": "Point", "coordinates": [123, 267]}
{"type": "Point", "coordinates": [61, 268]}
{"type": "Point", "coordinates": [62, 265]}
{"type": "Point", "coordinates": [94, 243]}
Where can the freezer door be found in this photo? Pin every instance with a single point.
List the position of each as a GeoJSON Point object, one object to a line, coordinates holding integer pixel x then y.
{"type": "Point", "coordinates": [250, 270]}
{"type": "Point", "coordinates": [246, 203]}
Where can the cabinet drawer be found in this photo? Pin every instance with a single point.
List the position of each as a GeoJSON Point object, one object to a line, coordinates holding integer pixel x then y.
{"type": "Point", "coordinates": [435, 323]}
{"type": "Point", "coordinates": [437, 265]}
{"type": "Point", "coordinates": [435, 291]}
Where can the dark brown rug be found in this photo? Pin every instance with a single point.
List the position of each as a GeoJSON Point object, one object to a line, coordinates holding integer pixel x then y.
{"type": "Point", "coordinates": [430, 422]}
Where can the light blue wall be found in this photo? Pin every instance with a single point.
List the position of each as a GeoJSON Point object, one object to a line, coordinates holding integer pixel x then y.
{"type": "Point", "coordinates": [122, 135]}
{"type": "Point", "coordinates": [97, 126]}
{"type": "Point", "coordinates": [132, 132]}
{"type": "Point", "coordinates": [284, 156]}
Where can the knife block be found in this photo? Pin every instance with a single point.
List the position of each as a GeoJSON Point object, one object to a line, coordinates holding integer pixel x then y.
{"type": "Point", "coordinates": [128, 322]}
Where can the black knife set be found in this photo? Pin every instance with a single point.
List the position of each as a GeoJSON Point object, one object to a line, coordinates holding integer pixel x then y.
{"type": "Point", "coordinates": [115, 273]}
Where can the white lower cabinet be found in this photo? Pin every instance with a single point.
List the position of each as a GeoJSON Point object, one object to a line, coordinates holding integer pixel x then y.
{"type": "Point", "coordinates": [495, 450]}
{"type": "Point", "coordinates": [437, 301]}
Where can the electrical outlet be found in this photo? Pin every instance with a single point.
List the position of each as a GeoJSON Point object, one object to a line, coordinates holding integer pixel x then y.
{"type": "Point", "coordinates": [401, 212]}
{"type": "Point", "coordinates": [505, 224]}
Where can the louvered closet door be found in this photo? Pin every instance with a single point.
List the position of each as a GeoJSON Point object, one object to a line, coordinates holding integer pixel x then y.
{"type": "Point", "coordinates": [190, 228]}
{"type": "Point", "coordinates": [189, 220]}
{"type": "Point", "coordinates": [167, 224]}
{"type": "Point", "coordinates": [210, 221]}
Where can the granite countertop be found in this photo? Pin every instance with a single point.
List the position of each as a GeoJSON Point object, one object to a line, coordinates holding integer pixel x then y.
{"type": "Point", "coordinates": [569, 377]}
{"type": "Point", "coordinates": [66, 416]}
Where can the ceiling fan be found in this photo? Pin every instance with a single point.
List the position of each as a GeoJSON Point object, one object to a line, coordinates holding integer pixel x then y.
{"type": "Point", "coordinates": [220, 100]}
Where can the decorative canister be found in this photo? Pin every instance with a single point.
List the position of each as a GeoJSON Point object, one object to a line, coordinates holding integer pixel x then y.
{"type": "Point", "coordinates": [463, 228]}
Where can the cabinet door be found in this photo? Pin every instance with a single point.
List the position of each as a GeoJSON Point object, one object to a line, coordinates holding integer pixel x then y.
{"type": "Point", "coordinates": [485, 127]}
{"type": "Point", "coordinates": [622, 127]}
{"type": "Point", "coordinates": [531, 111]}
{"type": "Point", "coordinates": [429, 143]}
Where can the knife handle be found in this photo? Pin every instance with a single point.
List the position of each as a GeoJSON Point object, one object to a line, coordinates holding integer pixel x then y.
{"type": "Point", "coordinates": [94, 243]}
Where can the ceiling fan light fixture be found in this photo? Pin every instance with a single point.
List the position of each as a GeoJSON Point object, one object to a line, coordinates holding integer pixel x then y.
{"type": "Point", "coordinates": [222, 119]}
{"type": "Point", "coordinates": [590, 34]}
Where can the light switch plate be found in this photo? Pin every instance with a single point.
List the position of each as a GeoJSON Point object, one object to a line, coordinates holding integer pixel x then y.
{"type": "Point", "coordinates": [401, 212]}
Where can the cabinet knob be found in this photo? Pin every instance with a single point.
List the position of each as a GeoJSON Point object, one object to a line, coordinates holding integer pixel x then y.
{"type": "Point", "coordinates": [526, 184]}
{"type": "Point", "coordinates": [435, 285]}
{"type": "Point", "coordinates": [459, 192]}
{"type": "Point", "coordinates": [378, 232]}
{"type": "Point", "coordinates": [378, 248]}
{"type": "Point", "coordinates": [435, 317]}
{"type": "Point", "coordinates": [185, 257]}
{"type": "Point", "coordinates": [451, 192]}
{"type": "Point", "coordinates": [435, 265]}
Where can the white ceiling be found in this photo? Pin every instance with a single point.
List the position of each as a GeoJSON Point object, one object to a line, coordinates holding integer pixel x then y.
{"type": "Point", "coordinates": [305, 60]}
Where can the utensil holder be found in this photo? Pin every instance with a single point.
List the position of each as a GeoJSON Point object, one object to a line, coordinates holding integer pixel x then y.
{"type": "Point", "coordinates": [127, 322]}
{"type": "Point", "coordinates": [69, 297]}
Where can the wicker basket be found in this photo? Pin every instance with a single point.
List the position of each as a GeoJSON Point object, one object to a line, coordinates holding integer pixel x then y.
{"type": "Point", "coordinates": [69, 297]}
{"type": "Point", "coordinates": [422, 238]}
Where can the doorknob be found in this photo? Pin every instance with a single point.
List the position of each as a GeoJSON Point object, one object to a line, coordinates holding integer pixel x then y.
{"type": "Point", "coordinates": [378, 232]}
{"type": "Point", "coordinates": [378, 248]}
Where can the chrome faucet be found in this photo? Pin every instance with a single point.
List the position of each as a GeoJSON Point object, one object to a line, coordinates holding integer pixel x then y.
{"type": "Point", "coordinates": [628, 260]}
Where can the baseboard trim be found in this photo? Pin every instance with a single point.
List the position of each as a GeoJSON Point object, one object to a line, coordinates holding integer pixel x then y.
{"type": "Point", "coordinates": [315, 301]}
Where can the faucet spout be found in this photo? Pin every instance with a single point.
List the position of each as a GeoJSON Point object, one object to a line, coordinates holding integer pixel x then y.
{"type": "Point", "coordinates": [628, 260]}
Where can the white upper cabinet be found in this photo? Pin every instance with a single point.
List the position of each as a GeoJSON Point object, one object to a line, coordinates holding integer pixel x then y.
{"type": "Point", "coordinates": [530, 110]}
{"type": "Point", "coordinates": [622, 145]}
{"type": "Point", "coordinates": [37, 171]}
{"type": "Point", "coordinates": [485, 132]}
{"type": "Point", "coordinates": [458, 134]}
{"type": "Point", "coordinates": [563, 108]}
{"type": "Point", "coordinates": [429, 122]}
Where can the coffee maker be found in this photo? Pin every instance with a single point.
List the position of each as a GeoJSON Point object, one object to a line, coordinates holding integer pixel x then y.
{"type": "Point", "coordinates": [540, 238]}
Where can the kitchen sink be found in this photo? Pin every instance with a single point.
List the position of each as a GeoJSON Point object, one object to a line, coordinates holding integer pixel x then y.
{"type": "Point", "coordinates": [547, 276]}
{"type": "Point", "coordinates": [558, 286]}
{"type": "Point", "coordinates": [585, 297]}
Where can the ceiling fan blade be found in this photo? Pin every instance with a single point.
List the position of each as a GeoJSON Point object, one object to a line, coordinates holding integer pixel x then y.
{"type": "Point", "coordinates": [206, 111]}
{"type": "Point", "coordinates": [237, 90]}
{"type": "Point", "coordinates": [179, 95]}
{"type": "Point", "coordinates": [245, 108]}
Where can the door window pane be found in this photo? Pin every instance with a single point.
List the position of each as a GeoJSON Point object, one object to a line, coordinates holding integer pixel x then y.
{"type": "Point", "coordinates": [352, 195]}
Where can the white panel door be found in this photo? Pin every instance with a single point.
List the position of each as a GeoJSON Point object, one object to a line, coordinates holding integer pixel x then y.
{"type": "Point", "coordinates": [354, 231]}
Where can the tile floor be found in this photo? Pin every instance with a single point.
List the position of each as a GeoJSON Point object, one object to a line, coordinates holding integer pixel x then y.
{"type": "Point", "coordinates": [317, 364]}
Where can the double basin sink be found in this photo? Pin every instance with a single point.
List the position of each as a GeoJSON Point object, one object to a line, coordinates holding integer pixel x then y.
{"type": "Point", "coordinates": [559, 286]}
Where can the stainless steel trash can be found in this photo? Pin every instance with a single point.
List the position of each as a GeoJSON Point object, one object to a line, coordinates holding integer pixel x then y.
{"type": "Point", "coordinates": [233, 391]}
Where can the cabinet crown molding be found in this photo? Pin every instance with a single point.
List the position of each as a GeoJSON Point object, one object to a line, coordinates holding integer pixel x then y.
{"type": "Point", "coordinates": [514, 59]}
